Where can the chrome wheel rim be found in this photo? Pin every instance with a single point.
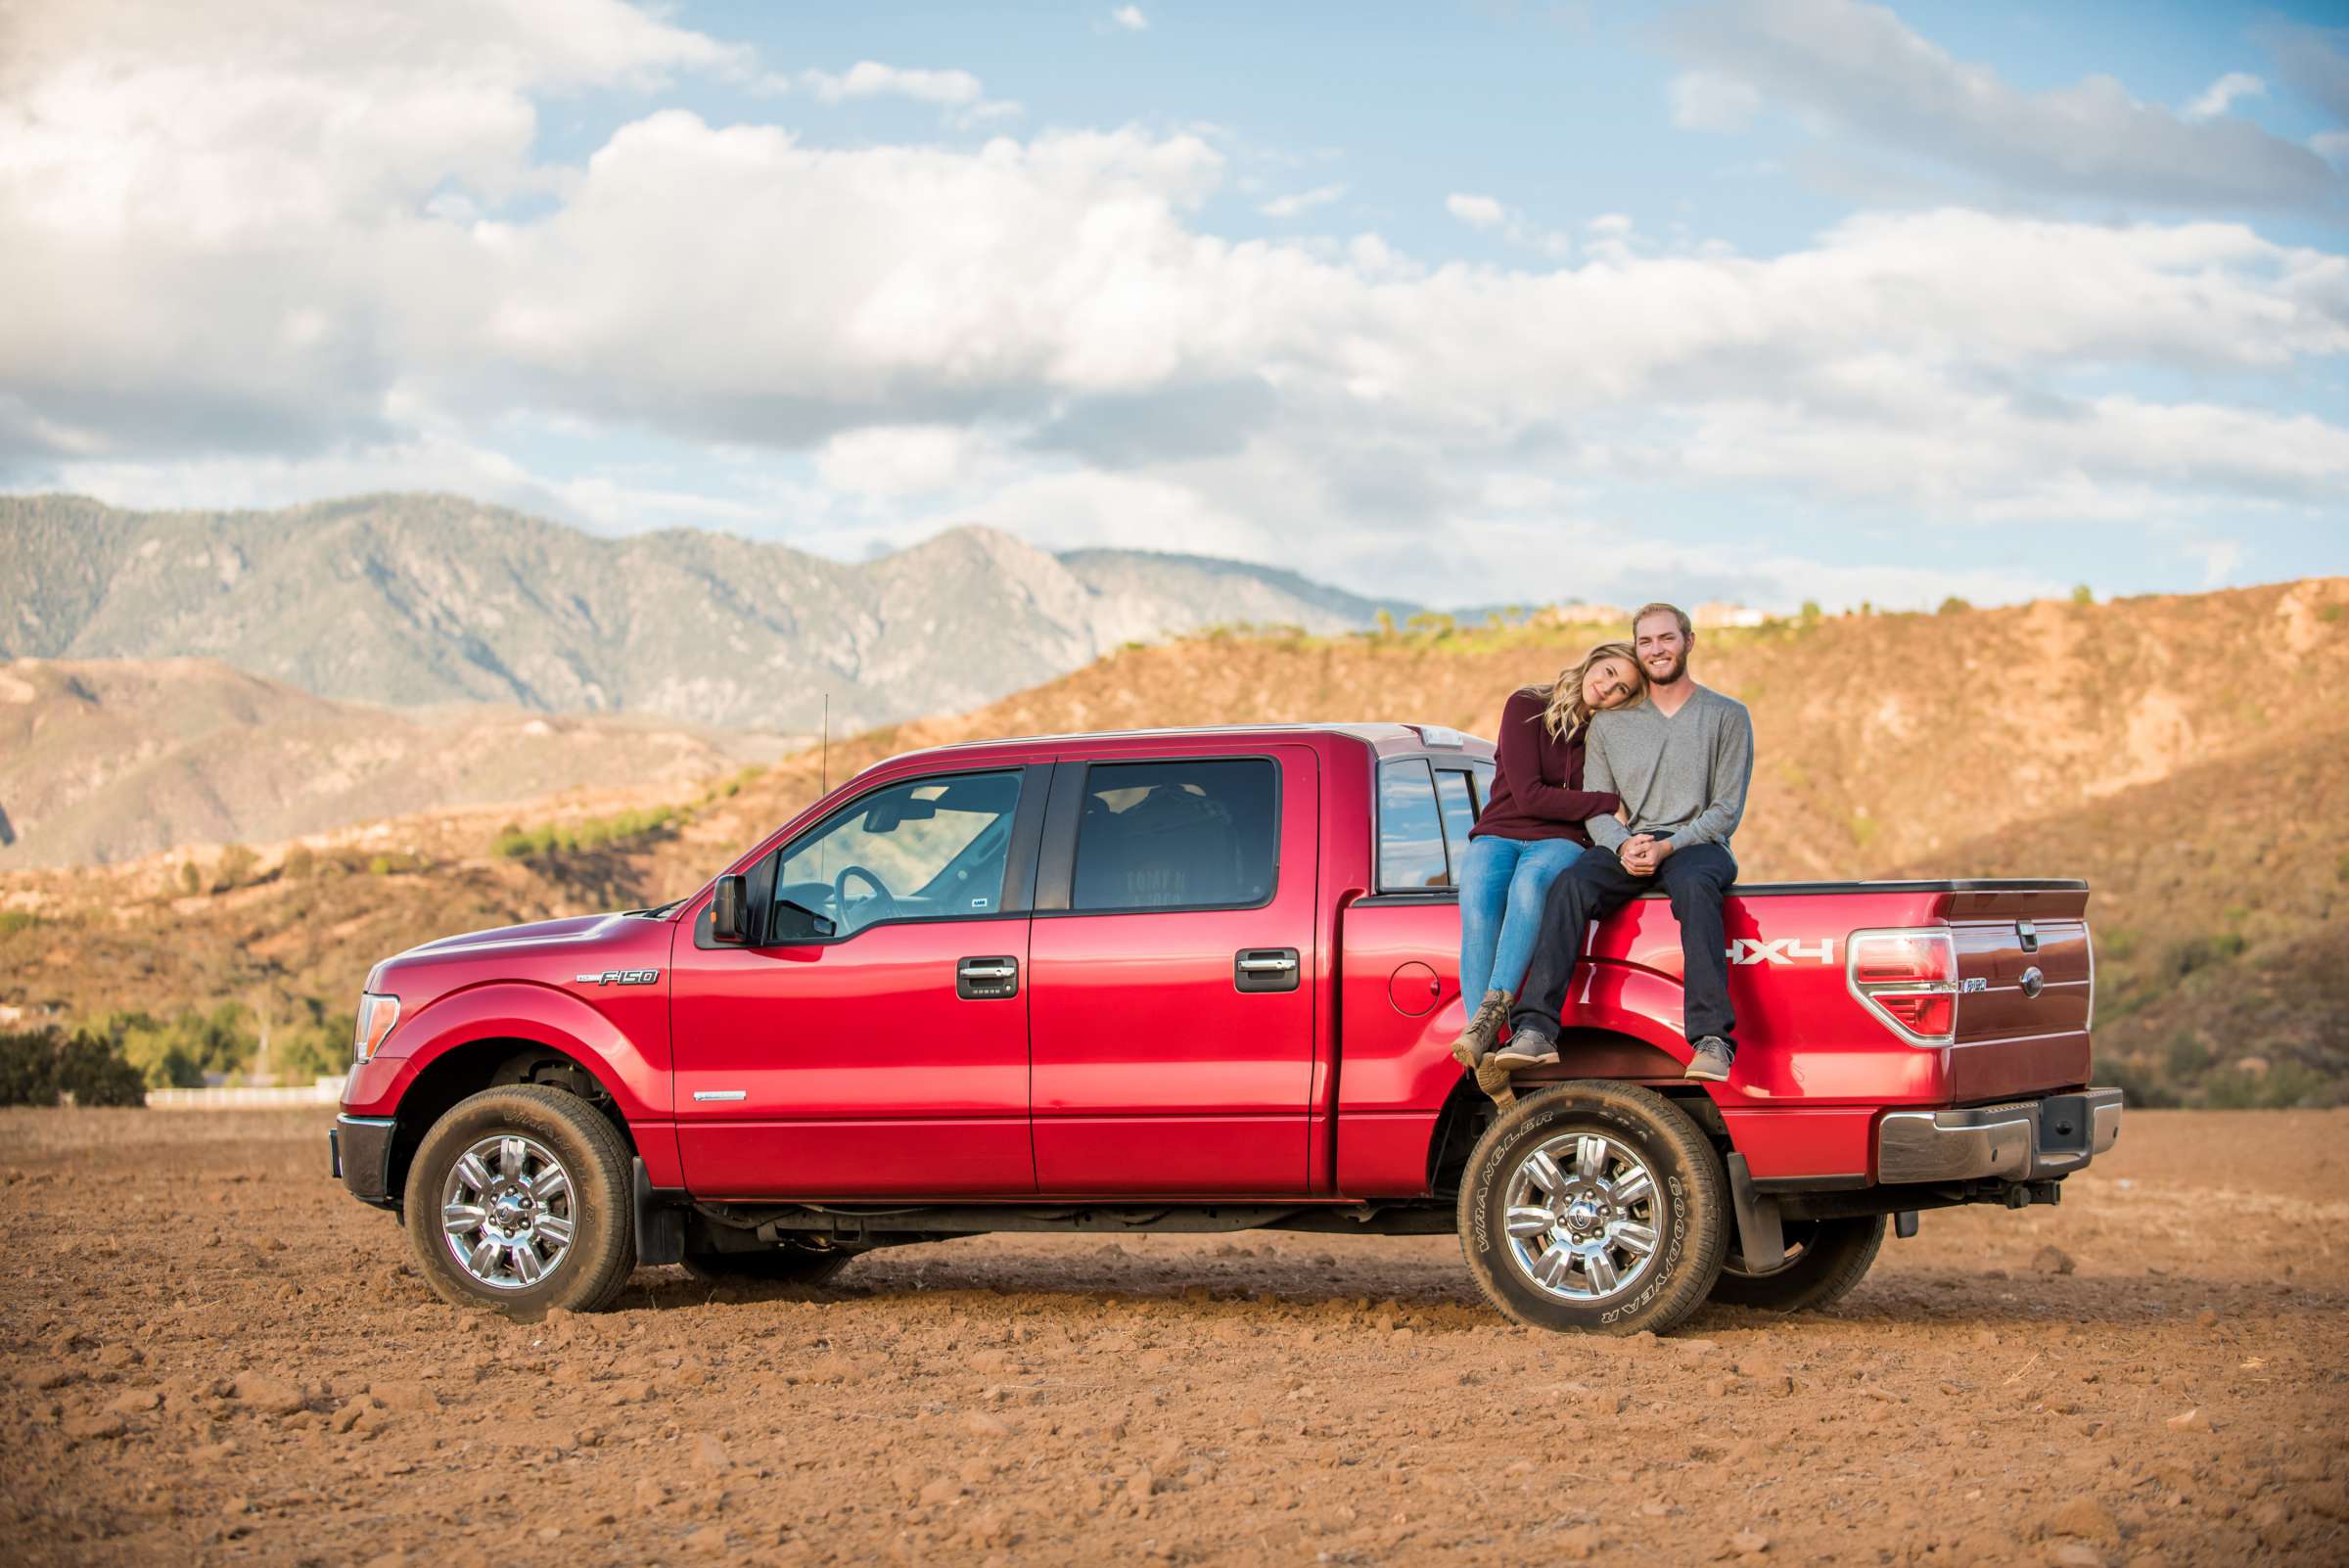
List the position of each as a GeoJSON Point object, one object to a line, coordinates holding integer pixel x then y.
{"type": "Point", "coordinates": [507, 1213]}
{"type": "Point", "coordinates": [1582, 1217]}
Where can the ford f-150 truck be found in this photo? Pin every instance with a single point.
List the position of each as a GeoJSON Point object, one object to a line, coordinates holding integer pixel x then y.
{"type": "Point", "coordinates": [1204, 981]}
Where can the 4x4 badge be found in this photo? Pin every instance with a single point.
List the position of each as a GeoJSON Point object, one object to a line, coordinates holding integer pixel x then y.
{"type": "Point", "coordinates": [620, 977]}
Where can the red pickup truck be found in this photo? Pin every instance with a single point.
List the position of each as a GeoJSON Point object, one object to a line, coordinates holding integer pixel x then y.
{"type": "Point", "coordinates": [1203, 980]}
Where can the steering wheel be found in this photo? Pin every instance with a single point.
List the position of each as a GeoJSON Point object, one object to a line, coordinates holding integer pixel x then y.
{"type": "Point", "coordinates": [883, 902]}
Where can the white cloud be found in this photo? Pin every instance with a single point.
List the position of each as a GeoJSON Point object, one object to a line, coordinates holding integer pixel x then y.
{"type": "Point", "coordinates": [2332, 146]}
{"type": "Point", "coordinates": [1705, 100]}
{"type": "Point", "coordinates": [1487, 213]}
{"type": "Point", "coordinates": [2215, 99]}
{"type": "Point", "coordinates": [2313, 62]}
{"type": "Point", "coordinates": [1296, 202]}
{"type": "Point", "coordinates": [869, 78]}
{"type": "Point", "coordinates": [957, 91]}
{"type": "Point", "coordinates": [893, 460]}
{"type": "Point", "coordinates": [1858, 68]}
{"type": "Point", "coordinates": [1477, 212]}
{"type": "Point", "coordinates": [1131, 19]}
{"type": "Point", "coordinates": [249, 293]}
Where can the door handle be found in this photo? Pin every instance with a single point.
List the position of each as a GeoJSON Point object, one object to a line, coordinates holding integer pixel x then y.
{"type": "Point", "coordinates": [986, 979]}
{"type": "Point", "coordinates": [1254, 969]}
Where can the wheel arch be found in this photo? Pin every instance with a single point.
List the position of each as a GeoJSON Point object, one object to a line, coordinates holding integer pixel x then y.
{"type": "Point", "coordinates": [1583, 1053]}
{"type": "Point", "coordinates": [458, 1071]}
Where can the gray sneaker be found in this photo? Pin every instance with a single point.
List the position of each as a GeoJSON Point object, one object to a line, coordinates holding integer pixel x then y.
{"type": "Point", "coordinates": [1712, 1060]}
{"type": "Point", "coordinates": [1528, 1048]}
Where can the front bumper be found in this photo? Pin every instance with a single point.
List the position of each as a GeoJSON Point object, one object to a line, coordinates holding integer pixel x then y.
{"type": "Point", "coordinates": [2027, 1140]}
{"type": "Point", "coordinates": [360, 1149]}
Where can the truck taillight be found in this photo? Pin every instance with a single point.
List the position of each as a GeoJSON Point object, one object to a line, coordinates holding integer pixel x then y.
{"type": "Point", "coordinates": [1909, 978]}
{"type": "Point", "coordinates": [377, 1015]}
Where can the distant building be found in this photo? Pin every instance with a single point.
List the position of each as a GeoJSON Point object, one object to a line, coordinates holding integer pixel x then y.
{"type": "Point", "coordinates": [1716, 614]}
{"type": "Point", "coordinates": [1581, 614]}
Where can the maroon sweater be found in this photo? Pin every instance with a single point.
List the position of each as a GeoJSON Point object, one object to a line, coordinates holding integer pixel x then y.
{"type": "Point", "coordinates": [1538, 786]}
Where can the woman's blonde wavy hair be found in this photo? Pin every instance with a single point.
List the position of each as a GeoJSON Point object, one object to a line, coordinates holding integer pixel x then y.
{"type": "Point", "coordinates": [1565, 713]}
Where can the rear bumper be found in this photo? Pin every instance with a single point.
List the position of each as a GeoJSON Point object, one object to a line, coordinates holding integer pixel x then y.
{"type": "Point", "coordinates": [360, 1149]}
{"type": "Point", "coordinates": [2028, 1140]}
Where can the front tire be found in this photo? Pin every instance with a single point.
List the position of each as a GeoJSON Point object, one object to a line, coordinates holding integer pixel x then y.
{"type": "Point", "coordinates": [1824, 1260]}
{"type": "Point", "coordinates": [1594, 1207]}
{"type": "Point", "coordinates": [520, 1200]}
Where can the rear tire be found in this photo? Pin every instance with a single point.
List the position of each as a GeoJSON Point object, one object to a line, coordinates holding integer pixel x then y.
{"type": "Point", "coordinates": [1594, 1207]}
{"type": "Point", "coordinates": [1824, 1260]}
{"type": "Point", "coordinates": [773, 1266]}
{"type": "Point", "coordinates": [520, 1200]}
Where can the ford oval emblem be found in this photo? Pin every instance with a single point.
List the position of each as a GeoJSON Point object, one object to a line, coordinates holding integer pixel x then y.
{"type": "Point", "coordinates": [2033, 981]}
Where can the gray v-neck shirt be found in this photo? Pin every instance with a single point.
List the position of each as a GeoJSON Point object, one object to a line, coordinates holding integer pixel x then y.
{"type": "Point", "coordinates": [1682, 777]}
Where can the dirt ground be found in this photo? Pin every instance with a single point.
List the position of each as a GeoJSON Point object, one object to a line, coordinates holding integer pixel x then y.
{"type": "Point", "coordinates": [213, 1356]}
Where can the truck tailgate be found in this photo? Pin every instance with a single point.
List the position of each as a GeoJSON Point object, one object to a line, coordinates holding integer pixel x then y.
{"type": "Point", "coordinates": [2027, 978]}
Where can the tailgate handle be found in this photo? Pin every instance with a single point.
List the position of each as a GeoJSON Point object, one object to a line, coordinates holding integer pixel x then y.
{"type": "Point", "coordinates": [1264, 969]}
{"type": "Point", "coordinates": [2030, 934]}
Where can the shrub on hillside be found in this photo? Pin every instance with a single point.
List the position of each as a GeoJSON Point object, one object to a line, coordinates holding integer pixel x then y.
{"type": "Point", "coordinates": [516, 842]}
{"type": "Point", "coordinates": [38, 1067]}
{"type": "Point", "coordinates": [235, 869]}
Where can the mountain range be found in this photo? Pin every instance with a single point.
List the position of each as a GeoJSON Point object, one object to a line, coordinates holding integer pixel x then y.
{"type": "Point", "coordinates": [106, 759]}
{"type": "Point", "coordinates": [415, 600]}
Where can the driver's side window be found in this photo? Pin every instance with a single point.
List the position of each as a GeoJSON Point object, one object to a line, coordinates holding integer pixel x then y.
{"type": "Point", "coordinates": [929, 849]}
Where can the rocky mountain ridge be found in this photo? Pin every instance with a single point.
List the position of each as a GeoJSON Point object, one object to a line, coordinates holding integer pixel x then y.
{"type": "Point", "coordinates": [107, 760]}
{"type": "Point", "coordinates": [415, 600]}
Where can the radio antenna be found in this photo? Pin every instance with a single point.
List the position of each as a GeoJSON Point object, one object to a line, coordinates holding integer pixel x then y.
{"type": "Point", "coordinates": [825, 787]}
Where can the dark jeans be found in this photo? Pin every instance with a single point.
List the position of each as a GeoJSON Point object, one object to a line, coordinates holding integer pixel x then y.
{"type": "Point", "coordinates": [1595, 887]}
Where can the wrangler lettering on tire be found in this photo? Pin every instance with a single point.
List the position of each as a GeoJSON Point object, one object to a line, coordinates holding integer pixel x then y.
{"type": "Point", "coordinates": [1594, 1206]}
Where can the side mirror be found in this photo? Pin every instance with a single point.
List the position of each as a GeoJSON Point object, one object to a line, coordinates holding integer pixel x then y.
{"type": "Point", "coordinates": [730, 911]}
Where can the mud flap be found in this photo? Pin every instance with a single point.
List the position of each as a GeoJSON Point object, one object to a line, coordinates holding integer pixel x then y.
{"type": "Point", "coordinates": [1761, 1239]}
{"type": "Point", "coordinates": [660, 1224]}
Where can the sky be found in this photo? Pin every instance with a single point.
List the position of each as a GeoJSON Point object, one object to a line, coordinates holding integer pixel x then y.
{"type": "Point", "coordinates": [1500, 300]}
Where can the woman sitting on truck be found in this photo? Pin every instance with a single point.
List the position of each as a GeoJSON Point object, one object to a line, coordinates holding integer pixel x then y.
{"type": "Point", "coordinates": [1531, 830]}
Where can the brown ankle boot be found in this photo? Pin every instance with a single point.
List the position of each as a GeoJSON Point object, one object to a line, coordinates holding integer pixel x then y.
{"type": "Point", "coordinates": [1484, 1027]}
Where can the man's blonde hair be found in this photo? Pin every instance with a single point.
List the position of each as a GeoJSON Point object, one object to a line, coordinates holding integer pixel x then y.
{"type": "Point", "coordinates": [1660, 607]}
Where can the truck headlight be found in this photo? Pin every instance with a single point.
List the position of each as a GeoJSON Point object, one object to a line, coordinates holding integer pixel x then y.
{"type": "Point", "coordinates": [377, 1015]}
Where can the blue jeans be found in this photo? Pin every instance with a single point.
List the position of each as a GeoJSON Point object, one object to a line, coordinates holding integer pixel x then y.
{"type": "Point", "coordinates": [1503, 883]}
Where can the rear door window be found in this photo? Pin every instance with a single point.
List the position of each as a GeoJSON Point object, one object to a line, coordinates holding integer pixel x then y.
{"type": "Point", "coordinates": [1460, 812]}
{"type": "Point", "coordinates": [1410, 829]}
{"type": "Point", "coordinates": [1194, 834]}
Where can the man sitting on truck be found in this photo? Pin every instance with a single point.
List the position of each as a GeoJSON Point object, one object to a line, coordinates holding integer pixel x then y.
{"type": "Point", "coordinates": [1680, 762]}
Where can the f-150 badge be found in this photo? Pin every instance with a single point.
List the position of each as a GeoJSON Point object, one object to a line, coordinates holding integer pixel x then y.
{"type": "Point", "coordinates": [620, 977]}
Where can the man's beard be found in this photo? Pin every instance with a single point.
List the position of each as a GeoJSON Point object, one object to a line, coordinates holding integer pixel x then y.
{"type": "Point", "coordinates": [1680, 668]}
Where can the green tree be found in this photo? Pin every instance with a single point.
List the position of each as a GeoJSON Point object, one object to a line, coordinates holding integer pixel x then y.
{"type": "Point", "coordinates": [1811, 612]}
{"type": "Point", "coordinates": [1953, 605]}
{"type": "Point", "coordinates": [191, 880]}
{"type": "Point", "coordinates": [2082, 593]}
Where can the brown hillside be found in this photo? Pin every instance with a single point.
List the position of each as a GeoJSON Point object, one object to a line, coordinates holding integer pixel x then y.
{"type": "Point", "coordinates": [2182, 752]}
{"type": "Point", "coordinates": [107, 760]}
